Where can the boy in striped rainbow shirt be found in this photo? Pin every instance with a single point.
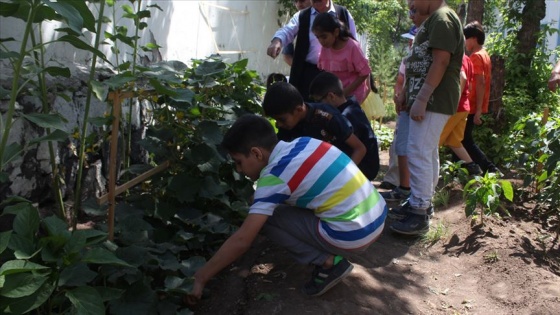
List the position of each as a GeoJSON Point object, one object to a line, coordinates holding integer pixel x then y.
{"type": "Point", "coordinates": [310, 199]}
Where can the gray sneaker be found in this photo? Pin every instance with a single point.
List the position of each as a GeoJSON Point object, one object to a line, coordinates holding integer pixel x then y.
{"type": "Point", "coordinates": [396, 194]}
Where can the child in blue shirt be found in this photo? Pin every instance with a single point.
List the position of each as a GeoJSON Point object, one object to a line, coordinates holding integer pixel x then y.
{"type": "Point", "coordinates": [327, 88]}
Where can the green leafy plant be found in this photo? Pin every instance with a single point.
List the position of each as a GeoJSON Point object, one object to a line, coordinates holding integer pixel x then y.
{"type": "Point", "coordinates": [485, 192]}
{"type": "Point", "coordinates": [453, 172]}
{"type": "Point", "coordinates": [50, 269]}
{"type": "Point", "coordinates": [384, 136]}
{"type": "Point", "coordinates": [492, 257]}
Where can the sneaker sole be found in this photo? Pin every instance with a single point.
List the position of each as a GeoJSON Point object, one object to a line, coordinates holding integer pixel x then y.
{"type": "Point", "coordinates": [419, 232]}
{"type": "Point", "coordinates": [335, 281]}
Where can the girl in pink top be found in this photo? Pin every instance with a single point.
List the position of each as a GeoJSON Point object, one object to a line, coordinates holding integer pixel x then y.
{"type": "Point", "coordinates": [341, 54]}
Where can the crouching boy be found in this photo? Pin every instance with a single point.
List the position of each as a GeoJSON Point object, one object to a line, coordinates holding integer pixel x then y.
{"type": "Point", "coordinates": [310, 199]}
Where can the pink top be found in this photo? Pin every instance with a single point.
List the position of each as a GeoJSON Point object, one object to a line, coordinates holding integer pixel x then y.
{"type": "Point", "coordinates": [347, 63]}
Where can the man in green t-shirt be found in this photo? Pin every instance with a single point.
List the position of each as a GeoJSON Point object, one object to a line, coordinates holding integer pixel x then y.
{"type": "Point", "coordinates": [432, 92]}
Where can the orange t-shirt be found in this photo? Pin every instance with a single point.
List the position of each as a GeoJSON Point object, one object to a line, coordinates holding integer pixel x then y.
{"type": "Point", "coordinates": [481, 66]}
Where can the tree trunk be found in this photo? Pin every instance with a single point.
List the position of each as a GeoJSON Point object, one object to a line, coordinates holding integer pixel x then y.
{"type": "Point", "coordinates": [533, 12]}
{"type": "Point", "coordinates": [475, 11]}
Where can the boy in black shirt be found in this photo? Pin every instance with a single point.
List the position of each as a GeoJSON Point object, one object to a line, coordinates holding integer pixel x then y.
{"type": "Point", "coordinates": [295, 119]}
{"type": "Point", "coordinates": [327, 88]}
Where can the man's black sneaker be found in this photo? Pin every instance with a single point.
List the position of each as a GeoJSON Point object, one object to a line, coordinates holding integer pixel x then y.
{"type": "Point", "coordinates": [404, 210]}
{"type": "Point", "coordinates": [473, 168]}
{"type": "Point", "coordinates": [387, 185]}
{"type": "Point", "coordinates": [324, 279]}
{"type": "Point", "coordinates": [413, 224]}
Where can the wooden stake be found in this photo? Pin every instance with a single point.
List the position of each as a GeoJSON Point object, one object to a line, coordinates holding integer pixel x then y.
{"type": "Point", "coordinates": [140, 178]}
{"type": "Point", "coordinates": [116, 97]}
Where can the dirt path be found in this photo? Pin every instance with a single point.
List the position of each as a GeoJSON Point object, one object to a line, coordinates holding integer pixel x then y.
{"type": "Point", "coordinates": [496, 269]}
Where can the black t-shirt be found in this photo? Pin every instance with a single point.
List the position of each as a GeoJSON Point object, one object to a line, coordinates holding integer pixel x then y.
{"type": "Point", "coordinates": [322, 122]}
{"type": "Point", "coordinates": [362, 129]}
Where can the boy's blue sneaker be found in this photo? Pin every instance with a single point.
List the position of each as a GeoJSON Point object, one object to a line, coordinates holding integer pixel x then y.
{"type": "Point", "coordinates": [396, 194]}
{"type": "Point", "coordinates": [387, 185]}
{"type": "Point", "coordinates": [404, 210]}
{"type": "Point", "coordinates": [413, 224]}
{"type": "Point", "coordinates": [324, 279]}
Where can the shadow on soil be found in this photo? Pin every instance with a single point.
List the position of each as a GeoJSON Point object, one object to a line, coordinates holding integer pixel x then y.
{"type": "Point", "coordinates": [268, 281]}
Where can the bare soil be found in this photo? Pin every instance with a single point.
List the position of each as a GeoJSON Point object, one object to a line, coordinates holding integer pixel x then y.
{"type": "Point", "coordinates": [498, 268]}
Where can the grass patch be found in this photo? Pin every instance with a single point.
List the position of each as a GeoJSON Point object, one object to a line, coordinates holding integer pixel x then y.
{"type": "Point", "coordinates": [441, 198]}
{"type": "Point", "coordinates": [435, 234]}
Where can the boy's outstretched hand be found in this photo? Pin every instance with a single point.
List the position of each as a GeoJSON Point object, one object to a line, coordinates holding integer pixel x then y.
{"type": "Point", "coordinates": [195, 295]}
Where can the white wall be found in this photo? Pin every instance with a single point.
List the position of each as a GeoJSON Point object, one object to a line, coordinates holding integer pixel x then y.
{"type": "Point", "coordinates": [185, 29]}
{"type": "Point", "coordinates": [553, 17]}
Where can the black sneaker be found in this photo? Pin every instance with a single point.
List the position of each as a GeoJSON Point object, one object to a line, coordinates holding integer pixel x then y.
{"type": "Point", "coordinates": [395, 194]}
{"type": "Point", "coordinates": [404, 210]}
{"type": "Point", "coordinates": [473, 168]}
{"type": "Point", "coordinates": [324, 279]}
{"type": "Point", "coordinates": [413, 224]}
{"type": "Point", "coordinates": [387, 185]}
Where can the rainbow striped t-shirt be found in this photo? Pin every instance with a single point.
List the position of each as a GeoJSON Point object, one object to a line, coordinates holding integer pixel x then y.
{"type": "Point", "coordinates": [313, 174]}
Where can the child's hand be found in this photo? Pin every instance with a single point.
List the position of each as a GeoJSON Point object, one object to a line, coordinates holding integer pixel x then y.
{"type": "Point", "coordinates": [195, 295]}
{"type": "Point", "coordinates": [418, 110]}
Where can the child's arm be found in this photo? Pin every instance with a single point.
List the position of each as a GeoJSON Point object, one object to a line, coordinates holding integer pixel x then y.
{"type": "Point", "coordinates": [235, 246]}
{"type": "Point", "coordinates": [349, 89]}
{"type": "Point", "coordinates": [358, 148]}
{"type": "Point", "coordinates": [433, 79]}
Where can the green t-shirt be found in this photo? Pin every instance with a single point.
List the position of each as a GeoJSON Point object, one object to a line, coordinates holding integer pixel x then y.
{"type": "Point", "coordinates": [442, 30]}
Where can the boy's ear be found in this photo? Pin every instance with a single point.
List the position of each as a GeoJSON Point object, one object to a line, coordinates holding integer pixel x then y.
{"type": "Point", "coordinates": [258, 153]}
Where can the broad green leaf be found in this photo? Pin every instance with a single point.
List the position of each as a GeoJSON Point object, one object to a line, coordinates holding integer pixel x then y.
{"type": "Point", "coordinates": [4, 93]}
{"type": "Point", "coordinates": [137, 299]}
{"type": "Point", "coordinates": [211, 132]}
{"type": "Point", "coordinates": [191, 265]}
{"type": "Point", "coordinates": [22, 246]}
{"type": "Point", "coordinates": [92, 236]}
{"type": "Point", "coordinates": [85, 13]}
{"type": "Point", "coordinates": [210, 67]}
{"type": "Point", "coordinates": [103, 257]}
{"type": "Point", "coordinates": [22, 284]}
{"type": "Point", "coordinates": [11, 152]}
{"type": "Point", "coordinates": [17, 266]}
{"type": "Point", "coordinates": [55, 226]}
{"type": "Point", "coordinates": [108, 294]}
{"type": "Point", "coordinates": [31, 302]}
{"type": "Point", "coordinates": [76, 42]}
{"type": "Point", "coordinates": [54, 121]}
{"type": "Point", "coordinates": [58, 71]}
{"type": "Point", "coordinates": [128, 9]}
{"type": "Point", "coordinates": [99, 89]}
{"type": "Point", "coordinates": [9, 54]}
{"type": "Point", "coordinates": [134, 255]}
{"type": "Point", "coordinates": [27, 220]}
{"type": "Point", "coordinates": [4, 240]}
{"type": "Point", "coordinates": [120, 80]}
{"type": "Point", "coordinates": [57, 136]}
{"type": "Point", "coordinates": [9, 9]}
{"type": "Point", "coordinates": [86, 300]}
{"type": "Point", "coordinates": [68, 13]}
{"type": "Point", "coordinates": [212, 187]}
{"type": "Point", "coordinates": [185, 186]}
{"type": "Point", "coordinates": [508, 189]}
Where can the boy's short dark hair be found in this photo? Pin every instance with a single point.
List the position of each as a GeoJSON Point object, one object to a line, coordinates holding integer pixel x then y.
{"type": "Point", "coordinates": [274, 78]}
{"type": "Point", "coordinates": [324, 83]}
{"type": "Point", "coordinates": [281, 98]}
{"type": "Point", "coordinates": [475, 29]}
{"type": "Point", "coordinates": [249, 131]}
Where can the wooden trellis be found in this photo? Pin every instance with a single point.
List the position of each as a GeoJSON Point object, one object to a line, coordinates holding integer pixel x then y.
{"type": "Point", "coordinates": [113, 191]}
